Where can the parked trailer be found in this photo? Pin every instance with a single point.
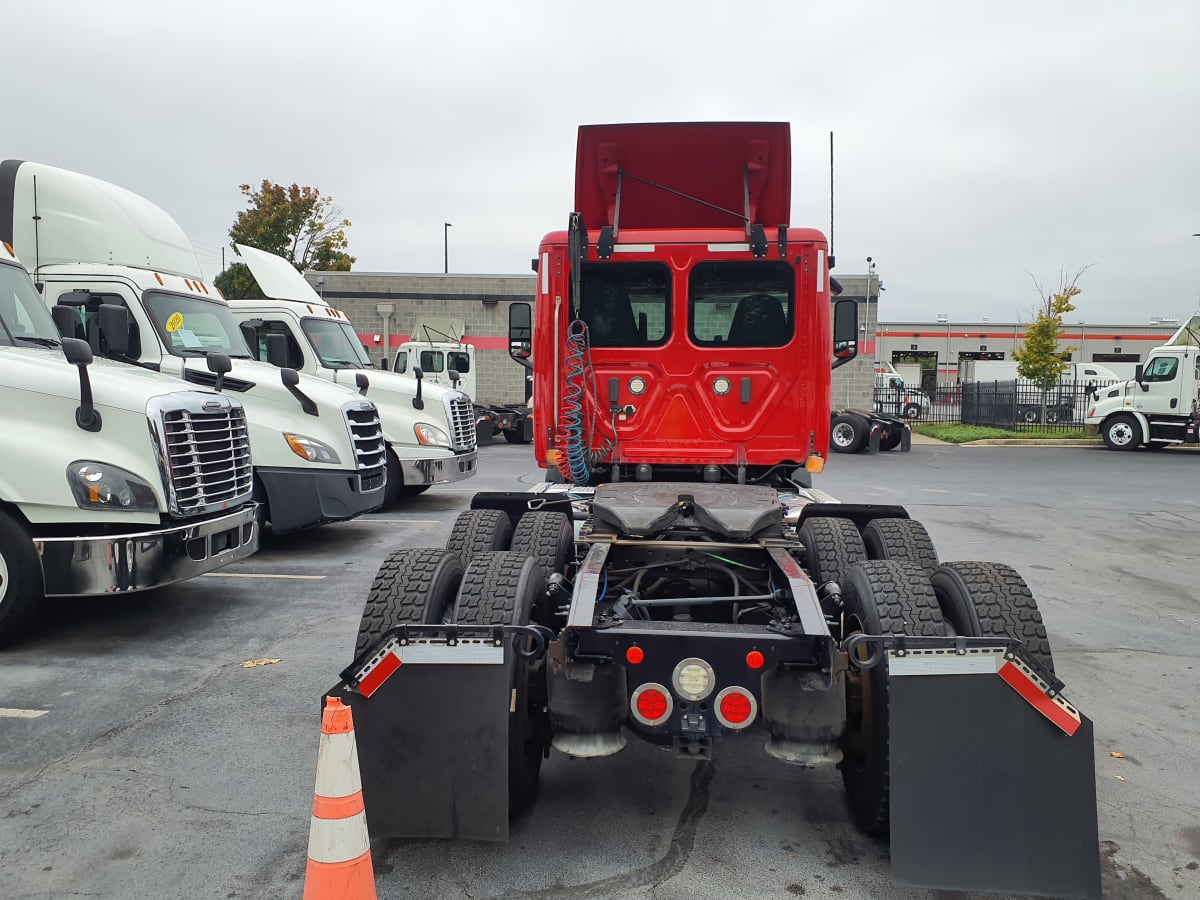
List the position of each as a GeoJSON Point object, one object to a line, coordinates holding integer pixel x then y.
{"type": "Point", "coordinates": [686, 585]}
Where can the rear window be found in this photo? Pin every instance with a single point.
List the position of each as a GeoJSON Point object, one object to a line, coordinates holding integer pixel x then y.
{"type": "Point", "coordinates": [626, 304]}
{"type": "Point", "coordinates": [741, 304]}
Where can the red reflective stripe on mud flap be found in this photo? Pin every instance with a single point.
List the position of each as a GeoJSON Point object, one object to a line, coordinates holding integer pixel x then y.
{"type": "Point", "coordinates": [1034, 696]}
{"type": "Point", "coordinates": [378, 675]}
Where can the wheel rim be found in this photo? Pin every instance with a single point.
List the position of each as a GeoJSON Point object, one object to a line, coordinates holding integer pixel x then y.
{"type": "Point", "coordinates": [1029, 416]}
{"type": "Point", "coordinates": [1120, 433]}
{"type": "Point", "coordinates": [3, 578]}
{"type": "Point", "coordinates": [843, 435]}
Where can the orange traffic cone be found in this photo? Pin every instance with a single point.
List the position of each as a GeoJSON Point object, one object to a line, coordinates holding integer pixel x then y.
{"type": "Point", "coordinates": [339, 848]}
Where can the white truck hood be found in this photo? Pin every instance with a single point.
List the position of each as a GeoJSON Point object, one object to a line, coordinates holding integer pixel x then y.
{"type": "Point", "coordinates": [44, 370]}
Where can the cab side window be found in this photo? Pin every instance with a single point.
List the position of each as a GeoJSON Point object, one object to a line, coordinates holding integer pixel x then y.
{"type": "Point", "coordinates": [258, 344]}
{"type": "Point", "coordinates": [459, 361]}
{"type": "Point", "coordinates": [88, 328]}
{"type": "Point", "coordinates": [1161, 369]}
{"type": "Point", "coordinates": [433, 361]}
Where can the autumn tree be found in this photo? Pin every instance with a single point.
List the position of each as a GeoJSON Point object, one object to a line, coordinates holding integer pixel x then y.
{"type": "Point", "coordinates": [298, 223]}
{"type": "Point", "coordinates": [1039, 357]}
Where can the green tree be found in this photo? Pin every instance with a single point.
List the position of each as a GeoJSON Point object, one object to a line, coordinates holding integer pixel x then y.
{"type": "Point", "coordinates": [298, 223]}
{"type": "Point", "coordinates": [1039, 357]}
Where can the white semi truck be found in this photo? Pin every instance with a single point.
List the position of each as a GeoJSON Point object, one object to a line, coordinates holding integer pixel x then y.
{"type": "Point", "coordinates": [1161, 405]}
{"type": "Point", "coordinates": [120, 273]}
{"type": "Point", "coordinates": [437, 350]}
{"type": "Point", "coordinates": [112, 479]}
{"type": "Point", "coordinates": [429, 429]}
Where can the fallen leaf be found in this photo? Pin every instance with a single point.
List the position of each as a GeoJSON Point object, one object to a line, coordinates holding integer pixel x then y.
{"type": "Point", "coordinates": [1115, 755]}
{"type": "Point", "coordinates": [251, 663]}
{"type": "Point", "coordinates": [1120, 778]}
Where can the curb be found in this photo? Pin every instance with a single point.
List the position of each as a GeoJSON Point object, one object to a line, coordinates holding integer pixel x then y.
{"type": "Point", "coordinates": [1029, 442]}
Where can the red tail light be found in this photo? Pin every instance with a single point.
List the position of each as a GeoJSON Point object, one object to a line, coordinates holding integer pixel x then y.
{"type": "Point", "coordinates": [651, 704]}
{"type": "Point", "coordinates": [736, 708]}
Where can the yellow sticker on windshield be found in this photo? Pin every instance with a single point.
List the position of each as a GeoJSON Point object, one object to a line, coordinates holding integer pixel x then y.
{"type": "Point", "coordinates": [175, 322]}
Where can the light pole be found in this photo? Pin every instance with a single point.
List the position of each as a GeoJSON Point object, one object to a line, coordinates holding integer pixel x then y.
{"type": "Point", "coordinates": [321, 287]}
{"type": "Point", "coordinates": [446, 247]}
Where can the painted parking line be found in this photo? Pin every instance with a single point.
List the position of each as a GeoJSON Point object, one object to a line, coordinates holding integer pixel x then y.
{"type": "Point", "coordinates": [22, 713]}
{"type": "Point", "coordinates": [263, 575]}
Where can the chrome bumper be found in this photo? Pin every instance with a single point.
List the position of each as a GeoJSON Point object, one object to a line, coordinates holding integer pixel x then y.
{"type": "Point", "coordinates": [438, 471]}
{"type": "Point", "coordinates": [82, 566]}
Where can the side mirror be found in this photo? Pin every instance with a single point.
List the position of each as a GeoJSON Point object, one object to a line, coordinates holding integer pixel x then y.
{"type": "Point", "coordinates": [277, 353]}
{"type": "Point", "coordinates": [363, 382]}
{"type": "Point", "coordinates": [250, 336]}
{"type": "Point", "coordinates": [454, 377]}
{"type": "Point", "coordinates": [218, 364]}
{"type": "Point", "coordinates": [1139, 373]}
{"type": "Point", "coordinates": [79, 354]}
{"type": "Point", "coordinates": [845, 332]}
{"type": "Point", "coordinates": [65, 320]}
{"type": "Point", "coordinates": [418, 401]}
{"type": "Point", "coordinates": [520, 333]}
{"type": "Point", "coordinates": [114, 326]}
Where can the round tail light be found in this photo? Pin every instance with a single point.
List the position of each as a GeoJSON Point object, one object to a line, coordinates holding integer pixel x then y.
{"type": "Point", "coordinates": [651, 704]}
{"type": "Point", "coordinates": [735, 708]}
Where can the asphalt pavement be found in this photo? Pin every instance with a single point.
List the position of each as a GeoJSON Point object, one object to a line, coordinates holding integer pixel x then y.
{"type": "Point", "coordinates": [140, 756]}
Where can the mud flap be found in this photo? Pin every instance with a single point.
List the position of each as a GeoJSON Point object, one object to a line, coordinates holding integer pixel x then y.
{"type": "Point", "coordinates": [431, 723]}
{"type": "Point", "coordinates": [993, 782]}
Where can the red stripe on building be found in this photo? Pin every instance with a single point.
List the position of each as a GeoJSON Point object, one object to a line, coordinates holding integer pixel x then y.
{"type": "Point", "coordinates": [479, 342]}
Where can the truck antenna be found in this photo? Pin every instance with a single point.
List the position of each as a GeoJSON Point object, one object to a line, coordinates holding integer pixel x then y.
{"type": "Point", "coordinates": [831, 199]}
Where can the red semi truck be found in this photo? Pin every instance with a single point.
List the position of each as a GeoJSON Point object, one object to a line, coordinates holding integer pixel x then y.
{"type": "Point", "coordinates": [682, 583]}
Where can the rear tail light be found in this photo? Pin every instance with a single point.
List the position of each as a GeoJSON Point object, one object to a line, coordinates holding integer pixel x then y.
{"type": "Point", "coordinates": [735, 708]}
{"type": "Point", "coordinates": [651, 704]}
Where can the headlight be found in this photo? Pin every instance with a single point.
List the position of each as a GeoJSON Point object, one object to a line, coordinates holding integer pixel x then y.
{"type": "Point", "coordinates": [311, 449]}
{"type": "Point", "coordinates": [428, 434]}
{"type": "Point", "coordinates": [98, 485]}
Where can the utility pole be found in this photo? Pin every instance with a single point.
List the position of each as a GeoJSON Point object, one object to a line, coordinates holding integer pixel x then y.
{"type": "Point", "coordinates": [446, 247]}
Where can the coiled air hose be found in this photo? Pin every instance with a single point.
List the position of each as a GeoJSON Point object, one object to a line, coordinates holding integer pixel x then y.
{"type": "Point", "coordinates": [573, 464]}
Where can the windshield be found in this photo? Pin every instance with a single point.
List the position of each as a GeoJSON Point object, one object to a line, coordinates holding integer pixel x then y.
{"type": "Point", "coordinates": [336, 344]}
{"type": "Point", "coordinates": [194, 326]}
{"type": "Point", "coordinates": [24, 318]}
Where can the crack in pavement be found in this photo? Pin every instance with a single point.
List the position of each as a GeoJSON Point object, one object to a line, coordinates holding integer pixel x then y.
{"type": "Point", "coordinates": [667, 866]}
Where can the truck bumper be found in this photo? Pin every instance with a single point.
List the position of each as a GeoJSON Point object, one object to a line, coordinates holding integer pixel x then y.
{"type": "Point", "coordinates": [301, 499]}
{"type": "Point", "coordinates": [439, 470]}
{"type": "Point", "coordinates": [82, 566]}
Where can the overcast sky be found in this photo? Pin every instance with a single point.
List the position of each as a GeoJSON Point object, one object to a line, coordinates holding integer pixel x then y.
{"type": "Point", "coordinates": [975, 143]}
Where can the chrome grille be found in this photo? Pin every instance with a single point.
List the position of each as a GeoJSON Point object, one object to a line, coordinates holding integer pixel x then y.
{"type": "Point", "coordinates": [366, 435]}
{"type": "Point", "coordinates": [208, 458]}
{"type": "Point", "coordinates": [461, 413]}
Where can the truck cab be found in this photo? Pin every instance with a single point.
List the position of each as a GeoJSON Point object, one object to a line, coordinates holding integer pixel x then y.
{"type": "Point", "coordinates": [125, 275]}
{"type": "Point", "coordinates": [114, 479]}
{"type": "Point", "coordinates": [1159, 407]}
{"type": "Point", "coordinates": [429, 429]}
{"type": "Point", "coordinates": [682, 326]}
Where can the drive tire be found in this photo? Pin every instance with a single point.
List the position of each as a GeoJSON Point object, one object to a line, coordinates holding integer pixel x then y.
{"type": "Point", "coordinates": [549, 537]}
{"type": "Point", "coordinates": [477, 530]}
{"type": "Point", "coordinates": [883, 598]}
{"type": "Point", "coordinates": [901, 540]}
{"type": "Point", "coordinates": [848, 433]}
{"type": "Point", "coordinates": [1156, 445]}
{"type": "Point", "coordinates": [892, 441]}
{"type": "Point", "coordinates": [20, 580]}
{"type": "Point", "coordinates": [1121, 432]}
{"type": "Point", "coordinates": [413, 586]}
{"type": "Point", "coordinates": [514, 436]}
{"type": "Point", "coordinates": [831, 546]}
{"type": "Point", "coordinates": [503, 588]}
{"type": "Point", "coordinates": [395, 481]}
{"type": "Point", "coordinates": [990, 599]}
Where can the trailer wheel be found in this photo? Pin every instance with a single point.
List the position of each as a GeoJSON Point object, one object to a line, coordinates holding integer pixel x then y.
{"type": "Point", "coordinates": [880, 597]}
{"type": "Point", "coordinates": [502, 588]}
{"type": "Point", "coordinates": [1121, 432]}
{"type": "Point", "coordinates": [20, 580]}
{"type": "Point", "coordinates": [848, 433]}
{"type": "Point", "coordinates": [412, 586]}
{"type": "Point", "coordinates": [476, 530]}
{"type": "Point", "coordinates": [831, 547]}
{"type": "Point", "coordinates": [903, 540]}
{"type": "Point", "coordinates": [549, 538]}
{"type": "Point", "coordinates": [985, 599]}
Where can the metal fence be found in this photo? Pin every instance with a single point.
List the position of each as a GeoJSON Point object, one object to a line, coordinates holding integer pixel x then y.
{"type": "Point", "coordinates": [1012, 405]}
